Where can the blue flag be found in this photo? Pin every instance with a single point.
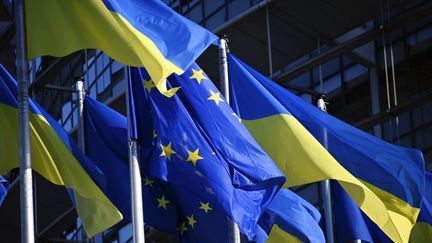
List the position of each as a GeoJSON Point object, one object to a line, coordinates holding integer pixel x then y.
{"type": "Point", "coordinates": [4, 186]}
{"type": "Point", "coordinates": [166, 207]}
{"type": "Point", "coordinates": [106, 145]}
{"type": "Point", "coordinates": [288, 215]}
{"type": "Point", "coordinates": [202, 147]}
{"type": "Point", "coordinates": [349, 222]}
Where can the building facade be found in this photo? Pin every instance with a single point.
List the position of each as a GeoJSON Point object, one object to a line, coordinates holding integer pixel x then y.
{"type": "Point", "coordinates": [371, 59]}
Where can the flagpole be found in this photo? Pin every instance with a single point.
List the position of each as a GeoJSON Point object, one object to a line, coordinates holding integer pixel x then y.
{"type": "Point", "coordinates": [79, 87]}
{"type": "Point", "coordinates": [135, 177]}
{"type": "Point", "coordinates": [26, 183]}
{"type": "Point", "coordinates": [325, 188]}
{"type": "Point", "coordinates": [223, 73]}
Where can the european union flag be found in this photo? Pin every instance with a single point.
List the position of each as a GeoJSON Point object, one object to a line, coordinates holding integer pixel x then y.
{"type": "Point", "coordinates": [4, 186]}
{"type": "Point", "coordinates": [202, 147]}
{"type": "Point", "coordinates": [166, 207]}
{"type": "Point", "coordinates": [169, 208]}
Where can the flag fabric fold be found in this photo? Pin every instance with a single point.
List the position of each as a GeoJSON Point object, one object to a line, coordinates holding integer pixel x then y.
{"type": "Point", "coordinates": [106, 141]}
{"type": "Point", "coordinates": [383, 179]}
{"type": "Point", "coordinates": [54, 156]}
{"type": "Point", "coordinates": [138, 33]}
{"type": "Point", "coordinates": [199, 138]}
{"type": "Point", "coordinates": [349, 222]}
{"type": "Point", "coordinates": [166, 207]}
{"type": "Point", "coordinates": [289, 218]}
{"type": "Point", "coordinates": [4, 186]}
{"type": "Point", "coordinates": [422, 231]}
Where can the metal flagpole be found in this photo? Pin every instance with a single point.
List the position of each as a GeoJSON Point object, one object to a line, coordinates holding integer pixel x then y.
{"type": "Point", "coordinates": [326, 189]}
{"type": "Point", "coordinates": [135, 177]}
{"type": "Point", "coordinates": [26, 184]}
{"type": "Point", "coordinates": [79, 86]}
{"type": "Point", "coordinates": [223, 74]}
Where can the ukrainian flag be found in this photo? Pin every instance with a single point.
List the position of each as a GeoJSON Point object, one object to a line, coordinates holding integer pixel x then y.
{"type": "Point", "coordinates": [386, 181]}
{"type": "Point", "coordinates": [142, 33]}
{"type": "Point", "coordinates": [54, 156]}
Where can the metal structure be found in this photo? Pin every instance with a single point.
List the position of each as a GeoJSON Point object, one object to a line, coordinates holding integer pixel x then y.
{"type": "Point", "coordinates": [26, 181]}
{"type": "Point", "coordinates": [223, 74]}
{"type": "Point", "coordinates": [135, 179]}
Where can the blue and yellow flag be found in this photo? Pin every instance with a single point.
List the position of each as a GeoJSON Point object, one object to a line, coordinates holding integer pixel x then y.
{"type": "Point", "coordinates": [134, 32]}
{"type": "Point", "coordinates": [289, 218]}
{"type": "Point", "coordinates": [350, 224]}
{"type": "Point", "coordinates": [4, 186]}
{"type": "Point", "coordinates": [54, 156]}
{"type": "Point", "coordinates": [202, 147]}
{"type": "Point", "coordinates": [385, 180]}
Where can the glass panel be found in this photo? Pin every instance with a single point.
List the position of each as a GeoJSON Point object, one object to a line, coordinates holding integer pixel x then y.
{"type": "Point", "coordinates": [236, 7]}
{"type": "Point", "coordinates": [417, 119]}
{"type": "Point", "coordinates": [301, 81]}
{"type": "Point", "coordinates": [331, 67]}
{"type": "Point", "coordinates": [427, 136]}
{"type": "Point", "coordinates": [215, 20]}
{"type": "Point", "coordinates": [427, 113]}
{"type": "Point", "coordinates": [424, 34]}
{"type": "Point", "coordinates": [353, 72]}
{"type": "Point", "coordinates": [196, 13]}
{"type": "Point", "coordinates": [211, 5]}
{"type": "Point", "coordinates": [404, 123]}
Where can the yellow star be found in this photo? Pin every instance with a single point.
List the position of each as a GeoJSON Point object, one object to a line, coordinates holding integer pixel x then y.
{"type": "Point", "coordinates": [162, 202]}
{"type": "Point", "coordinates": [191, 221]}
{"type": "Point", "coordinates": [215, 97]}
{"type": "Point", "coordinates": [198, 75]}
{"type": "Point", "coordinates": [148, 182]}
{"type": "Point", "coordinates": [182, 228]}
{"type": "Point", "coordinates": [154, 134]}
{"type": "Point", "coordinates": [167, 151]}
{"type": "Point", "coordinates": [206, 207]}
{"type": "Point", "coordinates": [149, 85]}
{"type": "Point", "coordinates": [194, 156]}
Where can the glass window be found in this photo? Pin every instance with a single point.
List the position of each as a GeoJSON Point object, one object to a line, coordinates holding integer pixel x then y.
{"type": "Point", "coordinates": [125, 233]}
{"type": "Point", "coordinates": [211, 5]}
{"type": "Point", "coordinates": [418, 138]}
{"type": "Point", "coordinates": [405, 141]}
{"type": "Point", "coordinates": [236, 7]}
{"type": "Point", "coordinates": [404, 123]}
{"type": "Point", "coordinates": [116, 66]}
{"type": "Point", "coordinates": [427, 113]}
{"type": "Point", "coordinates": [417, 117]}
{"type": "Point", "coordinates": [427, 136]}
{"type": "Point", "coordinates": [196, 13]}
{"type": "Point", "coordinates": [330, 84]}
{"type": "Point", "coordinates": [353, 72]}
{"type": "Point", "coordinates": [301, 81]}
{"type": "Point", "coordinates": [424, 34]}
{"type": "Point", "coordinates": [216, 20]}
{"type": "Point", "coordinates": [331, 67]}
{"type": "Point", "coordinates": [93, 92]}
